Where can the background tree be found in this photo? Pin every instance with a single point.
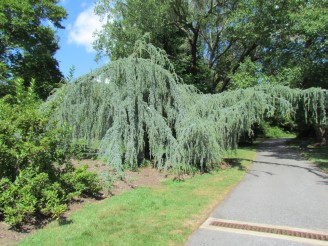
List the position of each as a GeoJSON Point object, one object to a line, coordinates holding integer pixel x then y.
{"type": "Point", "coordinates": [209, 40]}
{"type": "Point", "coordinates": [28, 43]}
{"type": "Point", "coordinates": [301, 46]}
{"type": "Point", "coordinates": [128, 21]}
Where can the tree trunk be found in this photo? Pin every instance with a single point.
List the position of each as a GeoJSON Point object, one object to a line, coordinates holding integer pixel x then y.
{"type": "Point", "coordinates": [193, 44]}
{"type": "Point", "coordinates": [320, 132]}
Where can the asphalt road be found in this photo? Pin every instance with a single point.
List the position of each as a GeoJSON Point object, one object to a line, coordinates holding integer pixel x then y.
{"type": "Point", "coordinates": [280, 189]}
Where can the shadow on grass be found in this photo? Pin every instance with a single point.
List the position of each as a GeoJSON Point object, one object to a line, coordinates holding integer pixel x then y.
{"type": "Point", "coordinates": [319, 157]}
{"type": "Point", "coordinates": [322, 165]}
{"type": "Point", "coordinates": [235, 162]}
{"type": "Point", "coordinates": [62, 221]}
{"type": "Point", "coordinates": [312, 151]}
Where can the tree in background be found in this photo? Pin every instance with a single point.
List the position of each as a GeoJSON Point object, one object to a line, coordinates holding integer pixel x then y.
{"type": "Point", "coordinates": [28, 43]}
{"type": "Point", "coordinates": [129, 21]}
{"type": "Point", "coordinates": [210, 41]}
{"type": "Point", "coordinates": [301, 47]}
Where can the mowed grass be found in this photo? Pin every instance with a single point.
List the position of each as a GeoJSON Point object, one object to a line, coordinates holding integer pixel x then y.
{"type": "Point", "coordinates": [319, 156]}
{"type": "Point", "coordinates": [164, 215]}
{"type": "Point", "coordinates": [276, 132]}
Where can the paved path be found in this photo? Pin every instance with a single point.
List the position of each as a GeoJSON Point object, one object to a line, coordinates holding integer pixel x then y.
{"type": "Point", "coordinates": [281, 189]}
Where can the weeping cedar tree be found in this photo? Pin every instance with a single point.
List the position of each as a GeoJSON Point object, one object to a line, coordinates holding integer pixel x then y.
{"type": "Point", "coordinates": [137, 108]}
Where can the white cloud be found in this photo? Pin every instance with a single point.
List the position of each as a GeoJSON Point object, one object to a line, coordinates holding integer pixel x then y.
{"type": "Point", "coordinates": [63, 1]}
{"type": "Point", "coordinates": [81, 32]}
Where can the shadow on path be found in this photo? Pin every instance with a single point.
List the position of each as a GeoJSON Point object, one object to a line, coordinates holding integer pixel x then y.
{"type": "Point", "coordinates": [314, 170]}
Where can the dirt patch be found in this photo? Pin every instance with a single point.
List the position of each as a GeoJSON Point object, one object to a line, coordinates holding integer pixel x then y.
{"type": "Point", "coordinates": [144, 177]}
{"type": "Point", "coordinates": [93, 165]}
{"type": "Point", "coordinates": [9, 237]}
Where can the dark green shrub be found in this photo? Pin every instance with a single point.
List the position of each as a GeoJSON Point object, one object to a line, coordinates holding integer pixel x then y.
{"type": "Point", "coordinates": [36, 176]}
{"type": "Point", "coordinates": [30, 194]}
{"type": "Point", "coordinates": [81, 182]}
{"type": "Point", "coordinates": [81, 150]}
{"type": "Point", "coordinates": [25, 142]}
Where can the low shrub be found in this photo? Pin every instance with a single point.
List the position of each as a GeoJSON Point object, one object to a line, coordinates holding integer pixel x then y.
{"type": "Point", "coordinates": [80, 182]}
{"type": "Point", "coordinates": [29, 195]}
{"type": "Point", "coordinates": [36, 176]}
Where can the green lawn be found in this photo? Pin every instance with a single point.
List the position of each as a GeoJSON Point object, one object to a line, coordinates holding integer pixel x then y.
{"type": "Point", "coordinates": [164, 215]}
{"type": "Point", "coordinates": [319, 155]}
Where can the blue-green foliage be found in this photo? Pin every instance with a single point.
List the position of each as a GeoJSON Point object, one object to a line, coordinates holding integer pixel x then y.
{"type": "Point", "coordinates": [137, 106]}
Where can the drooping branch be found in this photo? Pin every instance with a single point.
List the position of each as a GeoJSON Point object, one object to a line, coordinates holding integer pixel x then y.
{"type": "Point", "coordinates": [139, 101]}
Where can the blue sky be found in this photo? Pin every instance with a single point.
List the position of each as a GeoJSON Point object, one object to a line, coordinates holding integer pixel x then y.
{"type": "Point", "coordinates": [76, 39]}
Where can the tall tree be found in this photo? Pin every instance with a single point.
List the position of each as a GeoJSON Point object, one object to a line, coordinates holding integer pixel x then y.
{"type": "Point", "coordinates": [129, 21]}
{"type": "Point", "coordinates": [213, 38]}
{"type": "Point", "coordinates": [28, 42]}
{"type": "Point", "coordinates": [302, 45]}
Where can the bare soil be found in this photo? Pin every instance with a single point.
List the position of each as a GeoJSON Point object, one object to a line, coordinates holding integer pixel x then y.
{"type": "Point", "coordinates": [144, 177]}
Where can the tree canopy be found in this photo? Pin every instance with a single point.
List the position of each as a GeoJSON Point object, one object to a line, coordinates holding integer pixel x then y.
{"type": "Point", "coordinates": [137, 108]}
{"type": "Point", "coordinates": [211, 41]}
{"type": "Point", "coordinates": [28, 42]}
